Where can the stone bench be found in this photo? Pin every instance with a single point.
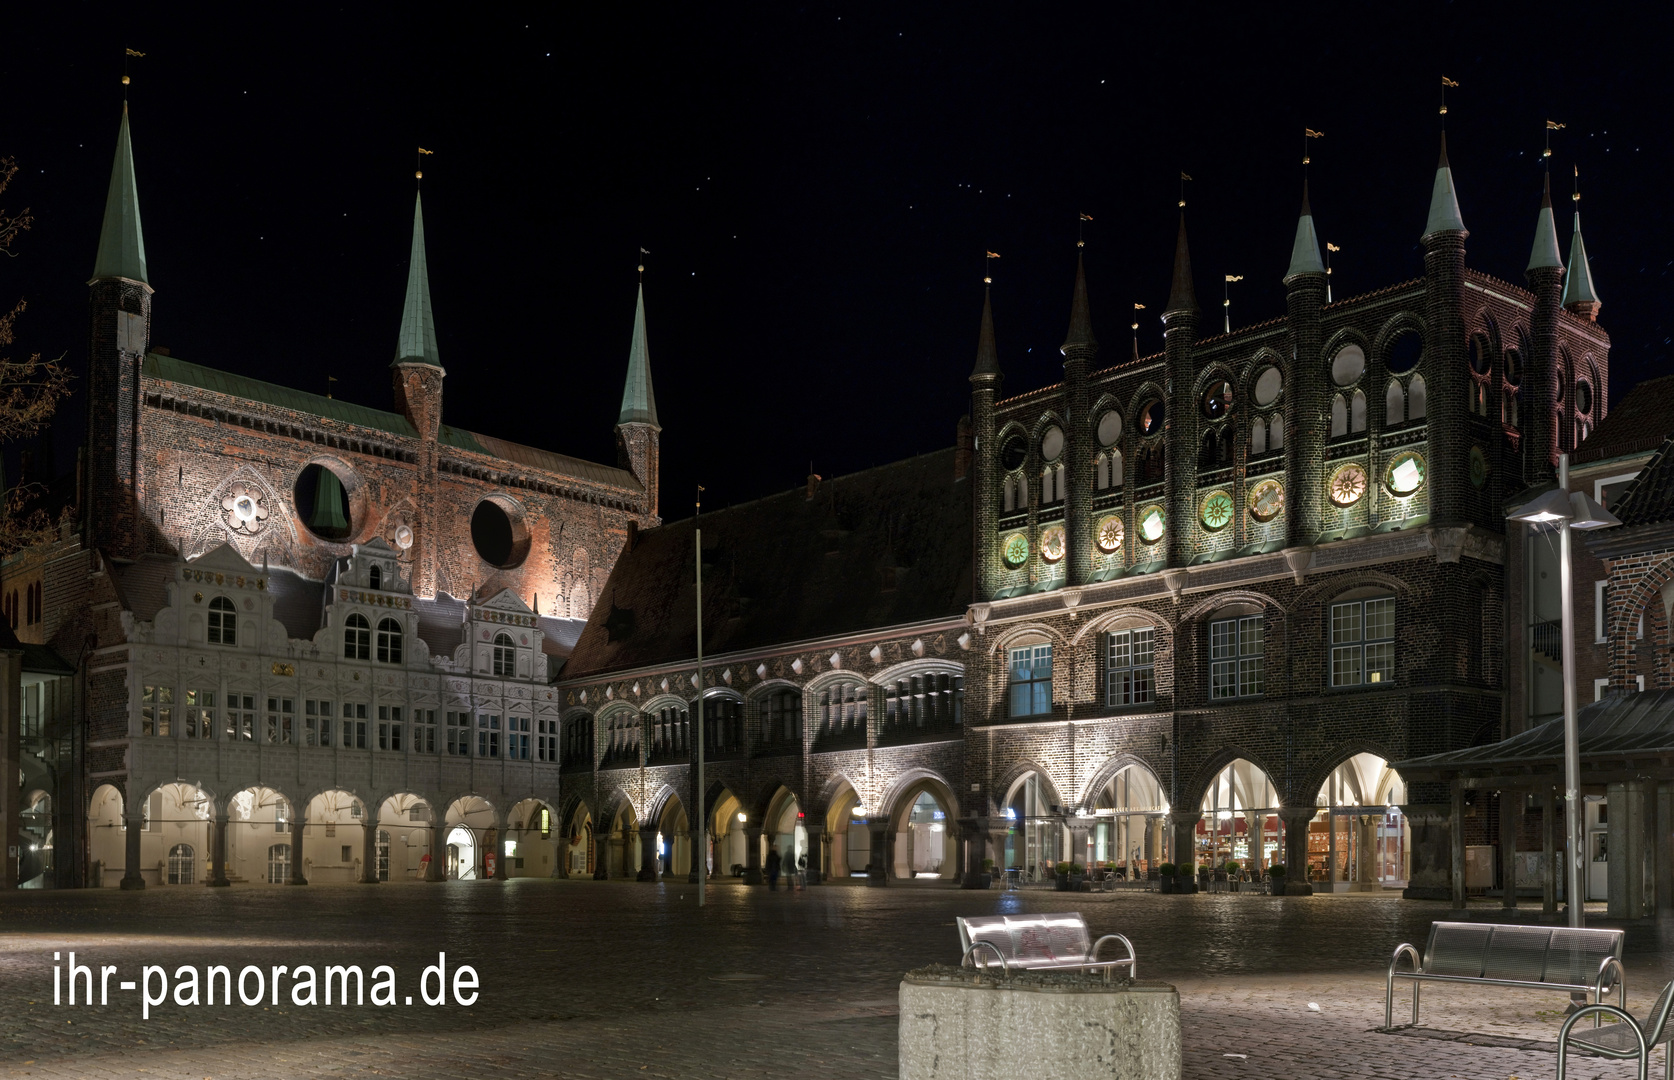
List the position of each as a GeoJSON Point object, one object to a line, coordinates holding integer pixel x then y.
{"type": "Point", "coordinates": [1049, 941]}
{"type": "Point", "coordinates": [1531, 957]}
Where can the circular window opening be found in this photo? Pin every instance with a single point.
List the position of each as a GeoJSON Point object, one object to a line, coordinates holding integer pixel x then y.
{"type": "Point", "coordinates": [1405, 351]}
{"type": "Point", "coordinates": [1347, 365]}
{"type": "Point", "coordinates": [1012, 453]}
{"type": "Point", "coordinates": [1267, 386]}
{"type": "Point", "coordinates": [1583, 397]}
{"type": "Point", "coordinates": [1479, 356]}
{"type": "Point", "coordinates": [1217, 400]}
{"type": "Point", "coordinates": [322, 501]}
{"type": "Point", "coordinates": [1151, 417]}
{"type": "Point", "coordinates": [1110, 428]}
{"type": "Point", "coordinates": [1052, 443]}
{"type": "Point", "coordinates": [498, 533]}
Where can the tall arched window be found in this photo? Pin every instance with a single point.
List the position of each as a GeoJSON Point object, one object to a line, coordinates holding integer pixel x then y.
{"type": "Point", "coordinates": [783, 723]}
{"type": "Point", "coordinates": [1394, 405]}
{"type": "Point", "coordinates": [223, 622]}
{"type": "Point", "coordinates": [505, 656]}
{"type": "Point", "coordinates": [843, 710]}
{"type": "Point", "coordinates": [1357, 411]}
{"type": "Point", "coordinates": [1101, 472]}
{"type": "Point", "coordinates": [1258, 436]}
{"type": "Point", "coordinates": [389, 641]}
{"type": "Point", "coordinates": [1115, 468]}
{"type": "Point", "coordinates": [1415, 398]}
{"type": "Point", "coordinates": [375, 576]}
{"type": "Point", "coordinates": [1276, 433]}
{"type": "Point", "coordinates": [357, 638]}
{"type": "Point", "coordinates": [1339, 416]}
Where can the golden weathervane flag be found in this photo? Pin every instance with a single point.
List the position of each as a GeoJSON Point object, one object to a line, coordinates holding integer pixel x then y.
{"type": "Point", "coordinates": [1086, 217]}
{"type": "Point", "coordinates": [1448, 82]}
{"type": "Point", "coordinates": [1139, 307]}
{"type": "Point", "coordinates": [1183, 176]}
{"type": "Point", "coordinates": [422, 150]}
{"type": "Point", "coordinates": [133, 52]}
{"type": "Point", "coordinates": [991, 254]}
{"type": "Point", "coordinates": [1332, 247]}
{"type": "Point", "coordinates": [1312, 134]}
{"type": "Point", "coordinates": [1553, 125]}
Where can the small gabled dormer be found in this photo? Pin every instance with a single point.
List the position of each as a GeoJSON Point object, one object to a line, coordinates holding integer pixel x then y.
{"type": "Point", "coordinates": [369, 610]}
{"type": "Point", "coordinates": [505, 639]}
{"type": "Point", "coordinates": [219, 599]}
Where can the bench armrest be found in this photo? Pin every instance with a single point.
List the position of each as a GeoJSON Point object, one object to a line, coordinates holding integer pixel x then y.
{"type": "Point", "coordinates": [1389, 984]}
{"type": "Point", "coordinates": [1621, 982]}
{"type": "Point", "coordinates": [1132, 961]}
{"type": "Point", "coordinates": [990, 946]}
{"type": "Point", "coordinates": [1596, 1011]}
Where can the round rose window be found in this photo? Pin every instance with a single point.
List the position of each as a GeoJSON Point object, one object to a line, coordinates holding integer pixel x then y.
{"type": "Point", "coordinates": [1016, 550]}
{"type": "Point", "coordinates": [1110, 534]}
{"type": "Point", "coordinates": [1052, 543]}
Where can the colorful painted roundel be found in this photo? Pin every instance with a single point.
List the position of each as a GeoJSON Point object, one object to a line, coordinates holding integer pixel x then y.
{"type": "Point", "coordinates": [1479, 467]}
{"type": "Point", "coordinates": [1153, 522]}
{"type": "Point", "coordinates": [1110, 534]}
{"type": "Point", "coordinates": [1405, 474]}
{"type": "Point", "coordinates": [1216, 510]}
{"type": "Point", "coordinates": [1267, 500]}
{"type": "Point", "coordinates": [1052, 543]}
{"type": "Point", "coordinates": [1016, 550]}
{"type": "Point", "coordinates": [1348, 484]}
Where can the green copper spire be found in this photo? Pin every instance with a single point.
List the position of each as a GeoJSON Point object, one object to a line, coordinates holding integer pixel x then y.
{"type": "Point", "coordinates": [1579, 295]}
{"type": "Point", "coordinates": [1304, 253]}
{"type": "Point", "coordinates": [1444, 201]}
{"type": "Point", "coordinates": [121, 242]}
{"type": "Point", "coordinates": [988, 355]}
{"type": "Point", "coordinates": [1544, 254]}
{"type": "Point", "coordinates": [639, 403]}
{"type": "Point", "coordinates": [418, 327]}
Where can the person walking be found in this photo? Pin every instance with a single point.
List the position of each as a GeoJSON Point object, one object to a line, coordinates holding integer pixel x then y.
{"type": "Point", "coordinates": [802, 871]}
{"type": "Point", "coordinates": [773, 863]}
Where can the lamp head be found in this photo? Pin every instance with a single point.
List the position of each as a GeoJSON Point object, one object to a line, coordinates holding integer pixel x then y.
{"type": "Point", "coordinates": [1551, 507]}
{"type": "Point", "coordinates": [1588, 514]}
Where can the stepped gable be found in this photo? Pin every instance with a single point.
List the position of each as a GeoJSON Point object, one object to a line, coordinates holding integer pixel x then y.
{"type": "Point", "coordinates": [883, 547]}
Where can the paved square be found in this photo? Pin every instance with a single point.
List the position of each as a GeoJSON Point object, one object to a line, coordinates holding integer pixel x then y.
{"type": "Point", "coordinates": [620, 979]}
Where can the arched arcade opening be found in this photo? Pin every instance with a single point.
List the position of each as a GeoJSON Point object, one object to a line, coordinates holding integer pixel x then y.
{"type": "Point", "coordinates": [1130, 833]}
{"type": "Point", "coordinates": [1360, 841]}
{"type": "Point", "coordinates": [1239, 829]}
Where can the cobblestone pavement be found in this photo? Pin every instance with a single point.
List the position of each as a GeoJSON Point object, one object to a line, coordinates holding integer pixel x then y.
{"type": "Point", "coordinates": [620, 979]}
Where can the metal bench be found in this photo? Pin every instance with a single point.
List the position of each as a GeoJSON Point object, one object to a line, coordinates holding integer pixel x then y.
{"type": "Point", "coordinates": [1622, 1040]}
{"type": "Point", "coordinates": [1532, 957]}
{"type": "Point", "coordinates": [1055, 941]}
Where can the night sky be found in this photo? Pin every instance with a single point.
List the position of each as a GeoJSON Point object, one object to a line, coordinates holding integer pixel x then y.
{"type": "Point", "coordinates": [816, 184]}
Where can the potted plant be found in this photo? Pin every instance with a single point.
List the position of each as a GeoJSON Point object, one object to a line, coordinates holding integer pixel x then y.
{"type": "Point", "coordinates": [1061, 877]}
{"type": "Point", "coordinates": [1276, 875]}
{"type": "Point", "coordinates": [1165, 878]}
{"type": "Point", "coordinates": [988, 873]}
{"type": "Point", "coordinates": [1077, 875]}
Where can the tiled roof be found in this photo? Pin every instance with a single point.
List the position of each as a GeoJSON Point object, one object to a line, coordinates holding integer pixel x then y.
{"type": "Point", "coordinates": [1649, 500]}
{"type": "Point", "coordinates": [883, 547]}
{"type": "Point", "coordinates": [441, 623]}
{"type": "Point", "coordinates": [1637, 425]}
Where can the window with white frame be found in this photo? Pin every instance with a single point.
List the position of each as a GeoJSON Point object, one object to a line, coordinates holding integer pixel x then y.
{"type": "Point", "coordinates": [223, 622]}
{"type": "Point", "coordinates": [517, 738]}
{"type": "Point", "coordinates": [281, 715]}
{"type": "Point", "coordinates": [488, 735]}
{"type": "Point", "coordinates": [1031, 680]}
{"type": "Point", "coordinates": [505, 656]}
{"type": "Point", "coordinates": [1237, 657]}
{"type": "Point", "coordinates": [1363, 642]}
{"type": "Point", "coordinates": [357, 638]}
{"type": "Point", "coordinates": [546, 740]}
{"type": "Point", "coordinates": [1130, 674]}
{"type": "Point", "coordinates": [316, 722]}
{"type": "Point", "coordinates": [354, 725]}
{"type": "Point", "coordinates": [241, 717]}
{"type": "Point", "coordinates": [424, 731]}
{"type": "Point", "coordinates": [200, 714]}
{"type": "Point", "coordinates": [459, 734]}
{"type": "Point", "coordinates": [389, 641]}
{"type": "Point", "coordinates": [157, 710]}
{"type": "Point", "coordinates": [389, 727]}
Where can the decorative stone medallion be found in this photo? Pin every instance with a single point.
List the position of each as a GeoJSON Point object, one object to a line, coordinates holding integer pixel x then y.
{"type": "Point", "coordinates": [1479, 467]}
{"type": "Point", "coordinates": [1216, 510]}
{"type": "Point", "coordinates": [1267, 500]}
{"type": "Point", "coordinates": [1015, 550]}
{"type": "Point", "coordinates": [1153, 522]}
{"type": "Point", "coordinates": [1110, 534]}
{"type": "Point", "coordinates": [242, 509]}
{"type": "Point", "coordinates": [1348, 484]}
{"type": "Point", "coordinates": [1405, 474]}
{"type": "Point", "coordinates": [1052, 543]}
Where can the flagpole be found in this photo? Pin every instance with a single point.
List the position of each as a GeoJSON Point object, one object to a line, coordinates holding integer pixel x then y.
{"type": "Point", "coordinates": [702, 852]}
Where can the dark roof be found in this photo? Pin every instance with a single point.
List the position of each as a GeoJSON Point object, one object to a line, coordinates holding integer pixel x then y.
{"type": "Point", "coordinates": [558, 636]}
{"type": "Point", "coordinates": [883, 547]}
{"type": "Point", "coordinates": [174, 369]}
{"type": "Point", "coordinates": [1649, 499]}
{"type": "Point", "coordinates": [1611, 729]}
{"type": "Point", "coordinates": [1637, 425]}
{"type": "Point", "coordinates": [298, 603]}
{"type": "Point", "coordinates": [141, 583]}
{"type": "Point", "coordinates": [44, 660]}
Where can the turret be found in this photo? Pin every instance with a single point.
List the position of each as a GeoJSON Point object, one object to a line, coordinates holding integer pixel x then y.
{"type": "Point", "coordinates": [1305, 419]}
{"type": "Point", "coordinates": [1545, 274]}
{"type": "Point", "coordinates": [1579, 295]}
{"type": "Point", "coordinates": [1079, 349]}
{"type": "Point", "coordinates": [119, 316]}
{"type": "Point", "coordinates": [1444, 348]}
{"type": "Point", "coordinates": [1180, 418]}
{"type": "Point", "coordinates": [985, 387]}
{"type": "Point", "coordinates": [638, 434]}
{"type": "Point", "coordinates": [417, 376]}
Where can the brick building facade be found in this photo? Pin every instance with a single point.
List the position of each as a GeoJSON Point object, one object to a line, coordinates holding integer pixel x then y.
{"type": "Point", "coordinates": [301, 611]}
{"type": "Point", "coordinates": [1215, 593]}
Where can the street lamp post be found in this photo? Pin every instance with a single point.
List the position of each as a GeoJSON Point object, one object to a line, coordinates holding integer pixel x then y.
{"type": "Point", "coordinates": [702, 853]}
{"type": "Point", "coordinates": [1568, 510]}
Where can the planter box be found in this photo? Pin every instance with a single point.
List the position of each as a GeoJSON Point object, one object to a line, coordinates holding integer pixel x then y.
{"type": "Point", "coordinates": [1185, 884]}
{"type": "Point", "coordinates": [1165, 884]}
{"type": "Point", "coordinates": [967, 1025]}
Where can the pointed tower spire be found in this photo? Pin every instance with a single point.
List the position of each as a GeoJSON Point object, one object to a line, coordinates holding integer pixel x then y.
{"type": "Point", "coordinates": [1444, 201]}
{"type": "Point", "coordinates": [1579, 296]}
{"type": "Point", "coordinates": [1081, 318]}
{"type": "Point", "coordinates": [988, 355]}
{"type": "Point", "coordinates": [1181, 295]}
{"type": "Point", "coordinates": [1545, 250]}
{"type": "Point", "coordinates": [417, 344]}
{"type": "Point", "coordinates": [1304, 253]}
{"type": "Point", "coordinates": [121, 241]}
{"type": "Point", "coordinates": [639, 404]}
